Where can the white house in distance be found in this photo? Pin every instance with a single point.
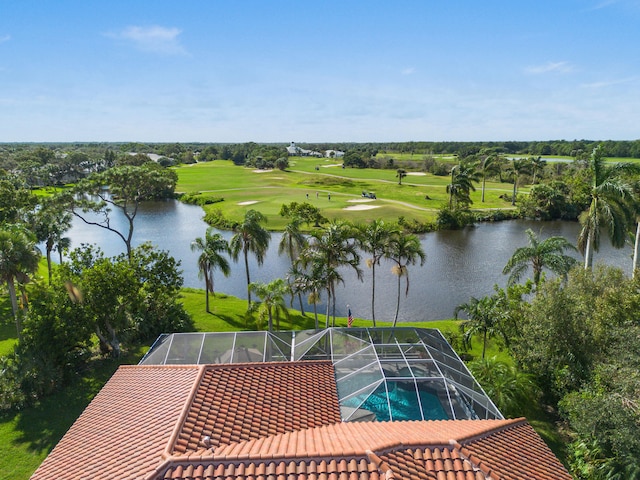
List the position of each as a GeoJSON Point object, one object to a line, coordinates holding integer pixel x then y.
{"type": "Point", "coordinates": [293, 149]}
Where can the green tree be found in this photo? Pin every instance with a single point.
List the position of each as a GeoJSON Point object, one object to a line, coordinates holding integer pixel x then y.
{"type": "Point", "coordinates": [15, 201]}
{"type": "Point", "coordinates": [292, 243]}
{"type": "Point", "coordinates": [305, 212]}
{"type": "Point", "coordinates": [401, 173]}
{"type": "Point", "coordinates": [482, 319]}
{"type": "Point", "coordinates": [49, 221]}
{"type": "Point", "coordinates": [537, 166]}
{"type": "Point", "coordinates": [250, 236]}
{"type": "Point", "coordinates": [272, 296]}
{"type": "Point", "coordinates": [374, 238]}
{"type": "Point", "coordinates": [404, 250]}
{"type": "Point", "coordinates": [19, 258]}
{"type": "Point", "coordinates": [517, 167]}
{"type": "Point", "coordinates": [514, 392]}
{"type": "Point", "coordinates": [548, 253]}
{"type": "Point", "coordinates": [612, 206]}
{"type": "Point", "coordinates": [129, 186]}
{"type": "Point", "coordinates": [126, 299]}
{"type": "Point", "coordinates": [211, 249]}
{"type": "Point", "coordinates": [463, 177]}
{"type": "Point", "coordinates": [329, 250]}
{"type": "Point", "coordinates": [488, 165]}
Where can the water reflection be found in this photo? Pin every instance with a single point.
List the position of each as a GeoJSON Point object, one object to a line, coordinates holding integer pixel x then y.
{"type": "Point", "coordinates": [460, 264]}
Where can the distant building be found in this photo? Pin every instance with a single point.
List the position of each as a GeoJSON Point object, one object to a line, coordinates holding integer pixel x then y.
{"type": "Point", "coordinates": [333, 154]}
{"type": "Point", "coordinates": [293, 149]}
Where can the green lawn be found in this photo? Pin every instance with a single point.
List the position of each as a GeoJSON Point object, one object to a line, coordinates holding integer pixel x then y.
{"type": "Point", "coordinates": [419, 197]}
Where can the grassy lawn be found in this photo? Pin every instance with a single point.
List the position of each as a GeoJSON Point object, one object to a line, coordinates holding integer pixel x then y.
{"type": "Point", "coordinates": [419, 197]}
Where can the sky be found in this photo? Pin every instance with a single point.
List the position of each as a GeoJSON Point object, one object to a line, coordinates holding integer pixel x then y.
{"type": "Point", "coordinates": [319, 70]}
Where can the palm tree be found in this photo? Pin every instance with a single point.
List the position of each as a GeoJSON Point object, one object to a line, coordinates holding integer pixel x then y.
{"type": "Point", "coordinates": [510, 389]}
{"type": "Point", "coordinates": [404, 250]}
{"type": "Point", "coordinates": [488, 165]}
{"type": "Point", "coordinates": [375, 238]}
{"type": "Point", "coordinates": [273, 304]}
{"type": "Point", "coordinates": [537, 165]}
{"type": "Point", "coordinates": [328, 251]}
{"type": "Point", "coordinates": [250, 236]}
{"type": "Point", "coordinates": [49, 222]}
{"type": "Point", "coordinates": [519, 166]}
{"type": "Point", "coordinates": [293, 242]}
{"type": "Point", "coordinates": [548, 253]}
{"type": "Point", "coordinates": [19, 258]}
{"type": "Point", "coordinates": [211, 247]}
{"type": "Point", "coordinates": [482, 319]}
{"type": "Point", "coordinates": [401, 173]}
{"type": "Point", "coordinates": [463, 176]}
{"type": "Point", "coordinates": [612, 206]}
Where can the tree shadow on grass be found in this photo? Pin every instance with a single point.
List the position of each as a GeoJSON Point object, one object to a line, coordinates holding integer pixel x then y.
{"type": "Point", "coordinates": [42, 426]}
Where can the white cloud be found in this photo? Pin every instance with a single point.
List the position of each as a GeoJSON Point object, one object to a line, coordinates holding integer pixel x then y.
{"type": "Point", "coordinates": [5, 38]}
{"type": "Point", "coordinates": [154, 39]}
{"type": "Point", "coordinates": [549, 67]}
{"type": "Point", "coordinates": [609, 83]}
{"type": "Point", "coordinates": [408, 71]}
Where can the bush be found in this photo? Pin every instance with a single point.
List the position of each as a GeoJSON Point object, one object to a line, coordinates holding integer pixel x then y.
{"type": "Point", "coordinates": [453, 218]}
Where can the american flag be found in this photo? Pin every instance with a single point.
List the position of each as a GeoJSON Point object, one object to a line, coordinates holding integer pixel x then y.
{"type": "Point", "coordinates": [349, 318]}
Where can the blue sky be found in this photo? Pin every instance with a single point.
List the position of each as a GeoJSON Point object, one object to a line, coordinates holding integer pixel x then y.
{"type": "Point", "coordinates": [319, 71]}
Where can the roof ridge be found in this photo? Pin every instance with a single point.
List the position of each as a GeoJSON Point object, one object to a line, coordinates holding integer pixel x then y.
{"type": "Point", "coordinates": [380, 437]}
{"type": "Point", "coordinates": [184, 413]}
{"type": "Point", "coordinates": [486, 432]}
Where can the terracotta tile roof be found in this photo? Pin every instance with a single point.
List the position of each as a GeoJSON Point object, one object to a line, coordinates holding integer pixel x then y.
{"type": "Point", "coordinates": [126, 427]}
{"type": "Point", "coordinates": [276, 421]}
{"type": "Point", "coordinates": [404, 450]}
{"type": "Point", "coordinates": [240, 402]}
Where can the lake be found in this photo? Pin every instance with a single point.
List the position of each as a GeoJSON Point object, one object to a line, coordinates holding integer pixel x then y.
{"type": "Point", "coordinates": [460, 264]}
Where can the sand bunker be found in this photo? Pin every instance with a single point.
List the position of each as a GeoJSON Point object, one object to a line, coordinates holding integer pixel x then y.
{"type": "Point", "coordinates": [333, 165]}
{"type": "Point", "coordinates": [262, 171]}
{"type": "Point", "coordinates": [360, 200]}
{"type": "Point", "coordinates": [361, 207]}
{"type": "Point", "coordinates": [248, 202]}
{"type": "Point", "coordinates": [420, 174]}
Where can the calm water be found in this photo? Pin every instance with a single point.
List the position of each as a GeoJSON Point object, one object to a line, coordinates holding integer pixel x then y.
{"type": "Point", "coordinates": [460, 264]}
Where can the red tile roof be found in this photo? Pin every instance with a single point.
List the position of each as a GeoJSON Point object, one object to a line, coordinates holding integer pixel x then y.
{"type": "Point", "coordinates": [275, 421]}
{"type": "Point", "coordinates": [125, 428]}
{"type": "Point", "coordinates": [240, 402]}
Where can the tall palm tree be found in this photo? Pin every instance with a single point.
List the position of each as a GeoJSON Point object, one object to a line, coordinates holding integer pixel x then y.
{"type": "Point", "coordinates": [374, 238]}
{"type": "Point", "coordinates": [212, 248]}
{"type": "Point", "coordinates": [329, 250]}
{"type": "Point", "coordinates": [250, 236]}
{"type": "Point", "coordinates": [19, 259]}
{"type": "Point", "coordinates": [548, 253]}
{"type": "Point", "coordinates": [272, 303]}
{"type": "Point", "coordinates": [537, 165]}
{"type": "Point", "coordinates": [404, 250]}
{"type": "Point", "coordinates": [50, 220]}
{"type": "Point", "coordinates": [488, 165]}
{"type": "Point", "coordinates": [519, 166]}
{"type": "Point", "coordinates": [463, 177]}
{"type": "Point", "coordinates": [612, 206]}
{"type": "Point", "coordinates": [292, 243]}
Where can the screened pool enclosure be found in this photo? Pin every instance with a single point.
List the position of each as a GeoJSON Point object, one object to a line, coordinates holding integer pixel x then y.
{"type": "Point", "coordinates": [381, 373]}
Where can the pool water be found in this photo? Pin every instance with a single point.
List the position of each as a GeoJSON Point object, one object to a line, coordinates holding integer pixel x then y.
{"type": "Point", "coordinates": [402, 402]}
